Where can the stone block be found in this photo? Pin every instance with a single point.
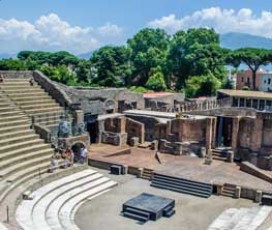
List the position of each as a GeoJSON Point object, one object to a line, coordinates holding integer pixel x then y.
{"type": "Point", "coordinates": [258, 196]}
{"type": "Point", "coordinates": [237, 192]}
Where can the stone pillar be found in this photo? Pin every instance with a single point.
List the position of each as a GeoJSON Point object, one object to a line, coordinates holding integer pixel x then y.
{"type": "Point", "coordinates": [235, 134]}
{"type": "Point", "coordinates": [209, 131]}
{"type": "Point", "coordinates": [230, 156]}
{"type": "Point", "coordinates": [270, 163]}
{"type": "Point", "coordinates": [219, 189]}
{"type": "Point", "coordinates": [214, 132]}
{"type": "Point", "coordinates": [238, 101]}
{"type": "Point", "coordinates": [256, 138]}
{"type": "Point", "coordinates": [79, 116]}
{"type": "Point", "coordinates": [254, 158]}
{"type": "Point", "coordinates": [258, 196]}
{"type": "Point", "coordinates": [237, 192]}
{"type": "Point", "coordinates": [124, 170]}
{"type": "Point", "coordinates": [258, 105]}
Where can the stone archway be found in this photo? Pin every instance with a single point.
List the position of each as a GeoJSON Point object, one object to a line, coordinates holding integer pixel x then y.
{"type": "Point", "coordinates": [77, 147]}
{"type": "Point", "coordinates": [109, 106]}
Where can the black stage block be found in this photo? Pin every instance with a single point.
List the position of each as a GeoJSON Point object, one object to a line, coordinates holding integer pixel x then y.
{"type": "Point", "coordinates": [267, 199]}
{"type": "Point", "coordinates": [149, 207]}
{"type": "Point", "coordinates": [116, 169]}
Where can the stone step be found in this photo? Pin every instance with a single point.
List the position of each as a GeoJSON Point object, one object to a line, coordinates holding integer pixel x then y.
{"type": "Point", "coordinates": [29, 98]}
{"type": "Point", "coordinates": [4, 103]}
{"type": "Point", "coordinates": [219, 158]}
{"type": "Point", "coordinates": [14, 117]}
{"type": "Point", "coordinates": [16, 90]}
{"type": "Point", "coordinates": [25, 209]}
{"type": "Point", "coordinates": [37, 93]}
{"type": "Point", "coordinates": [49, 123]}
{"type": "Point", "coordinates": [21, 177]}
{"type": "Point", "coordinates": [19, 87]}
{"type": "Point", "coordinates": [38, 106]}
{"type": "Point", "coordinates": [245, 220]}
{"type": "Point", "coordinates": [182, 185]}
{"type": "Point", "coordinates": [15, 146]}
{"type": "Point", "coordinates": [52, 213]}
{"type": "Point", "coordinates": [19, 79]}
{"type": "Point", "coordinates": [23, 151]}
{"type": "Point", "coordinates": [14, 123]}
{"type": "Point", "coordinates": [7, 173]}
{"type": "Point", "coordinates": [43, 205]}
{"type": "Point", "coordinates": [184, 190]}
{"type": "Point", "coordinates": [26, 157]}
{"type": "Point", "coordinates": [7, 135]}
{"type": "Point", "coordinates": [10, 113]}
{"type": "Point", "coordinates": [14, 140]}
{"type": "Point", "coordinates": [45, 100]}
{"type": "Point", "coordinates": [9, 108]}
{"type": "Point", "coordinates": [44, 110]}
{"type": "Point", "coordinates": [14, 128]}
{"type": "Point", "coordinates": [69, 208]}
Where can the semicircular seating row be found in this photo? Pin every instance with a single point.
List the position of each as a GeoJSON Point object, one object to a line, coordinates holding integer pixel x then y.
{"type": "Point", "coordinates": [242, 218]}
{"type": "Point", "coordinates": [54, 205]}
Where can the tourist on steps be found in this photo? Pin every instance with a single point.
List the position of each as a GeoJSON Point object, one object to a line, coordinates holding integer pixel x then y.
{"type": "Point", "coordinates": [53, 164]}
{"type": "Point", "coordinates": [1, 78]}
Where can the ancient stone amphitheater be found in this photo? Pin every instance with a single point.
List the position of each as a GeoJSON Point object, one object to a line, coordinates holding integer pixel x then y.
{"type": "Point", "coordinates": [26, 110]}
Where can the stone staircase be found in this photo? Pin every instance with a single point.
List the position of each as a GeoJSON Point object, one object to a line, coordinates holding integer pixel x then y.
{"type": "Point", "coordinates": [54, 205]}
{"type": "Point", "coordinates": [147, 174]}
{"type": "Point", "coordinates": [182, 185]}
{"type": "Point", "coordinates": [22, 153]}
{"type": "Point", "coordinates": [32, 100]}
{"type": "Point", "coordinates": [241, 219]}
{"type": "Point", "coordinates": [228, 190]}
{"type": "Point", "coordinates": [219, 154]}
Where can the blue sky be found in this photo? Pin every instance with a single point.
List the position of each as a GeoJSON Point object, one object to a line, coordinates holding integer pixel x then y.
{"type": "Point", "coordinates": [83, 25]}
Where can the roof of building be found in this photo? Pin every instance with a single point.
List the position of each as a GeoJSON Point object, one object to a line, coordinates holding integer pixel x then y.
{"type": "Point", "coordinates": [246, 93]}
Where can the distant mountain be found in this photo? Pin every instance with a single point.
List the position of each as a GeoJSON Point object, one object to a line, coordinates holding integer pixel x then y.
{"type": "Point", "coordinates": [85, 55]}
{"type": "Point", "coordinates": [6, 56]}
{"type": "Point", "coordinates": [239, 40]}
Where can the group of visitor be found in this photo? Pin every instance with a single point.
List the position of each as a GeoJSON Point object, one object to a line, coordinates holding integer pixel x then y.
{"type": "Point", "coordinates": [68, 157]}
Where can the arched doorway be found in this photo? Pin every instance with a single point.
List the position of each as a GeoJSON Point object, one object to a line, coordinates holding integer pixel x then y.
{"type": "Point", "coordinates": [77, 149]}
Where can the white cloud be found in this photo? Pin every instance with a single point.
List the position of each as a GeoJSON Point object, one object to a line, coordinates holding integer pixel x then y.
{"type": "Point", "coordinates": [53, 34]}
{"type": "Point", "coordinates": [222, 20]}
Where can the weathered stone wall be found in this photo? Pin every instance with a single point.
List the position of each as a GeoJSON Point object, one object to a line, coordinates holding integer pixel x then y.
{"type": "Point", "coordinates": [134, 129]}
{"type": "Point", "coordinates": [149, 125]}
{"type": "Point", "coordinates": [52, 89]}
{"type": "Point", "coordinates": [117, 139]}
{"type": "Point", "coordinates": [103, 100]}
{"type": "Point", "coordinates": [115, 125]}
{"type": "Point", "coordinates": [188, 129]}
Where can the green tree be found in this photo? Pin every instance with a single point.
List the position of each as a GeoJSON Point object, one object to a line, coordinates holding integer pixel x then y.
{"type": "Point", "coordinates": [202, 86]}
{"type": "Point", "coordinates": [149, 49]}
{"type": "Point", "coordinates": [112, 66]}
{"type": "Point", "coordinates": [195, 52]}
{"type": "Point", "coordinates": [156, 82]}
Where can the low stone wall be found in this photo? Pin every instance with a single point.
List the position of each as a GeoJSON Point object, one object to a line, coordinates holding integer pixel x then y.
{"type": "Point", "coordinates": [180, 148]}
{"type": "Point", "coordinates": [52, 89]}
{"type": "Point", "coordinates": [253, 170]}
{"type": "Point", "coordinates": [44, 133]}
{"type": "Point", "coordinates": [117, 139]}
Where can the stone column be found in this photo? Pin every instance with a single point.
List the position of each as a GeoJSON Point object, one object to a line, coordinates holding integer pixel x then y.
{"type": "Point", "coordinates": [209, 131]}
{"type": "Point", "coordinates": [256, 135]}
{"type": "Point", "coordinates": [235, 134]}
{"type": "Point", "coordinates": [238, 101]}
{"type": "Point", "coordinates": [237, 192]}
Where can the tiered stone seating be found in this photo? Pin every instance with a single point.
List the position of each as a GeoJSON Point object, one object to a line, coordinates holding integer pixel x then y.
{"type": "Point", "coordinates": [22, 153]}
{"type": "Point", "coordinates": [53, 205]}
{"type": "Point", "coordinates": [33, 100]}
{"type": "Point", "coordinates": [241, 219]}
